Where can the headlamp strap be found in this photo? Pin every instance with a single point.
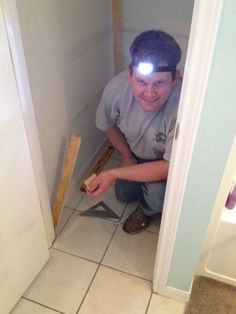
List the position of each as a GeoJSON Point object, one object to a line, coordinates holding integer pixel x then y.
{"type": "Point", "coordinates": [168, 68]}
{"type": "Point", "coordinates": [156, 68]}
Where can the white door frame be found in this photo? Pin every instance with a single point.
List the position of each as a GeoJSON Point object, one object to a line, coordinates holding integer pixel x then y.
{"type": "Point", "coordinates": [205, 20]}
{"type": "Point", "coordinates": [18, 59]}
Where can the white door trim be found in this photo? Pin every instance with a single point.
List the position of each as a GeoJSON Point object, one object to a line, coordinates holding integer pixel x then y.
{"type": "Point", "coordinates": [18, 59]}
{"type": "Point", "coordinates": [205, 20]}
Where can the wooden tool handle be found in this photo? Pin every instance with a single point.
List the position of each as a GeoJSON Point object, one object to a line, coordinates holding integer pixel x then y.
{"type": "Point", "coordinates": [99, 165]}
{"type": "Point", "coordinates": [89, 179]}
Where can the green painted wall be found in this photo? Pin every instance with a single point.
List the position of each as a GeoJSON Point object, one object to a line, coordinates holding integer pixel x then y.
{"type": "Point", "coordinates": [216, 131]}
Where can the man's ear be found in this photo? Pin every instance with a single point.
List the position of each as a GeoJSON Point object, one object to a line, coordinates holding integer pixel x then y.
{"type": "Point", "coordinates": [178, 74]}
{"type": "Point", "coordinates": [130, 72]}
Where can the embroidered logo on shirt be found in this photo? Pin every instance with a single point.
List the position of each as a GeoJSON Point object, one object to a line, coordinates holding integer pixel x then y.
{"type": "Point", "coordinates": [117, 117]}
{"type": "Point", "coordinates": [160, 137]}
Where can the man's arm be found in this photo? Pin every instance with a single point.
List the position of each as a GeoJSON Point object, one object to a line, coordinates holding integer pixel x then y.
{"type": "Point", "coordinates": [147, 172]}
{"type": "Point", "coordinates": [117, 139]}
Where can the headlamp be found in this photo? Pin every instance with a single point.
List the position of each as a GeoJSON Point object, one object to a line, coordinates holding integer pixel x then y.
{"type": "Point", "coordinates": [147, 68]}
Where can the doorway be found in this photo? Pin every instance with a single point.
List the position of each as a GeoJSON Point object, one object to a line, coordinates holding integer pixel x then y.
{"type": "Point", "coordinates": [101, 34]}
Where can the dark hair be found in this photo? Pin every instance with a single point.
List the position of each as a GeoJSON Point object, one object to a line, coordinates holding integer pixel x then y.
{"type": "Point", "coordinates": [155, 46]}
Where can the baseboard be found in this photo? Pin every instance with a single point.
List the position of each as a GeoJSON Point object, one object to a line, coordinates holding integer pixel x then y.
{"type": "Point", "coordinates": [216, 276]}
{"type": "Point", "coordinates": [176, 294]}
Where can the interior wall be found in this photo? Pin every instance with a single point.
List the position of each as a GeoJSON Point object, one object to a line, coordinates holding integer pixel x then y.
{"type": "Point", "coordinates": [66, 50]}
{"type": "Point", "coordinates": [173, 17]}
{"type": "Point", "coordinates": [69, 57]}
{"type": "Point", "coordinates": [212, 147]}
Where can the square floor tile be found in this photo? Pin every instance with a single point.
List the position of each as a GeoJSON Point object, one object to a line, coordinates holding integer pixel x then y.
{"type": "Point", "coordinates": [113, 292]}
{"type": "Point", "coordinates": [62, 283]}
{"type": "Point", "coordinates": [108, 198]}
{"type": "Point", "coordinates": [28, 307]}
{"type": "Point", "coordinates": [153, 227]}
{"type": "Point", "coordinates": [134, 254]}
{"type": "Point", "coordinates": [87, 237]}
{"type": "Point", "coordinates": [162, 305]}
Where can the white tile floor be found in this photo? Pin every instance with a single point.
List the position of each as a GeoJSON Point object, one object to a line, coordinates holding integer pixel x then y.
{"type": "Point", "coordinates": [95, 267]}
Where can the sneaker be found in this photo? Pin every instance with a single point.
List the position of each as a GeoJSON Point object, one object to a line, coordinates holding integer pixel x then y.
{"type": "Point", "coordinates": [137, 221]}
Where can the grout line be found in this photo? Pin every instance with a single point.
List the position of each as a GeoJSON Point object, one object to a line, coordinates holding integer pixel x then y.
{"type": "Point", "coordinates": [43, 305]}
{"type": "Point", "coordinates": [148, 305]}
{"type": "Point", "coordinates": [116, 227]}
{"type": "Point", "coordinates": [99, 266]}
{"type": "Point", "coordinates": [100, 263]}
{"type": "Point", "coordinates": [78, 256]}
{"type": "Point", "coordinates": [82, 197]}
{"type": "Point", "coordinates": [96, 271]}
{"type": "Point", "coordinates": [85, 295]}
{"type": "Point", "coordinates": [126, 273]}
{"type": "Point", "coordinates": [65, 223]}
{"type": "Point", "coordinates": [59, 232]}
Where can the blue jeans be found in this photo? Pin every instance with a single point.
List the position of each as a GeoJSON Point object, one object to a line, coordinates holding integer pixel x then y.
{"type": "Point", "coordinates": [150, 195]}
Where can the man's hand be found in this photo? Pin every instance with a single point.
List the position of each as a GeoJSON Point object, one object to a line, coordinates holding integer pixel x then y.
{"type": "Point", "coordinates": [101, 183]}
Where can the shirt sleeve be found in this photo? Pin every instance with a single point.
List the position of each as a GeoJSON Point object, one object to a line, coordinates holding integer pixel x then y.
{"type": "Point", "coordinates": [108, 112]}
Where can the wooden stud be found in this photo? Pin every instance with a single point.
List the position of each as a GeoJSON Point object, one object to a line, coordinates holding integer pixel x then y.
{"type": "Point", "coordinates": [116, 17]}
{"type": "Point", "coordinates": [98, 167]}
{"type": "Point", "coordinates": [65, 179]}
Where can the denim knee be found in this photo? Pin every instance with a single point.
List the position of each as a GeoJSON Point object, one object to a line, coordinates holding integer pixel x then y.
{"type": "Point", "coordinates": [153, 195]}
{"type": "Point", "coordinates": [127, 191]}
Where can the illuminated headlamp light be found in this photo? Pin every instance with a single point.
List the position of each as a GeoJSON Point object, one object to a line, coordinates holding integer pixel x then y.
{"type": "Point", "coordinates": [146, 68]}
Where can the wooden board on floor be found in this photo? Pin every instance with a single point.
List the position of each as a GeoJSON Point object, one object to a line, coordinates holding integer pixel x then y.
{"type": "Point", "coordinates": [65, 179]}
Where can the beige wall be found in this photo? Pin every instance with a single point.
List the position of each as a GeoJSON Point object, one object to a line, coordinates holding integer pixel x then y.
{"type": "Point", "coordinates": [66, 50]}
{"type": "Point", "coordinates": [69, 57]}
{"type": "Point", "coordinates": [173, 17]}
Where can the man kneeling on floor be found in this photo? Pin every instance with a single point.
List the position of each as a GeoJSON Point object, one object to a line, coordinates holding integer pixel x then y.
{"type": "Point", "coordinates": [138, 113]}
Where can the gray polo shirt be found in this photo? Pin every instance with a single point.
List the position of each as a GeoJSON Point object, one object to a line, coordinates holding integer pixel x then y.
{"type": "Point", "coordinates": [149, 134]}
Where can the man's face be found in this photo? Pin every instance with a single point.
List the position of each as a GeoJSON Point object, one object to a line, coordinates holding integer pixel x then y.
{"type": "Point", "coordinates": [152, 91]}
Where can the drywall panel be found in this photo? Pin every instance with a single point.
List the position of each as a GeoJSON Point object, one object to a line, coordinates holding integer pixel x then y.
{"type": "Point", "coordinates": [66, 49]}
{"type": "Point", "coordinates": [173, 17]}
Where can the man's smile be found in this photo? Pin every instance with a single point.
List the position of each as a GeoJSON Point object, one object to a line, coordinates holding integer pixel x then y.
{"type": "Point", "coordinates": [150, 100]}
